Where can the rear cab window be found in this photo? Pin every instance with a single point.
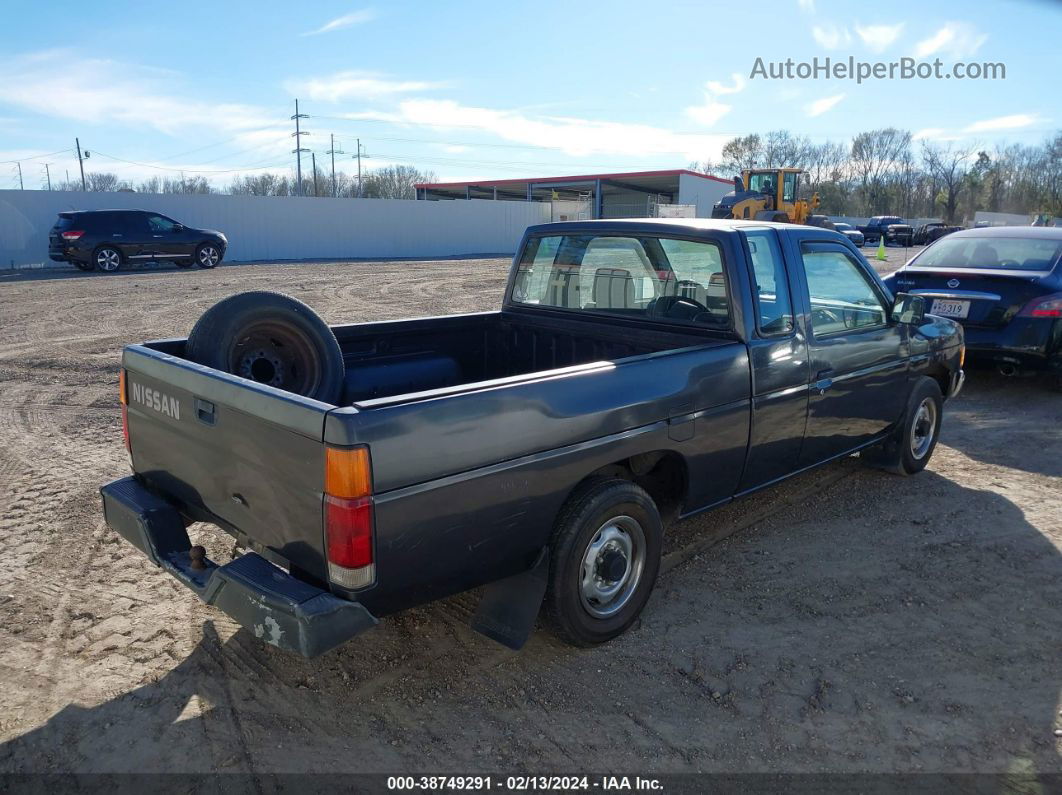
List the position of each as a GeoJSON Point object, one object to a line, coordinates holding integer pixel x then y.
{"type": "Point", "coordinates": [670, 279]}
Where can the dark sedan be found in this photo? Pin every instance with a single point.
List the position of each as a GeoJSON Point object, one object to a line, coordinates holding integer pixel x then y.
{"type": "Point", "coordinates": [1004, 285]}
{"type": "Point", "coordinates": [850, 232]}
{"type": "Point", "coordinates": [109, 239]}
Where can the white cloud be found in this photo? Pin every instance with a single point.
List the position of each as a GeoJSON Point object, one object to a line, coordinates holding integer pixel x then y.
{"type": "Point", "coordinates": [954, 39]}
{"type": "Point", "coordinates": [807, 6]}
{"type": "Point", "coordinates": [831, 37]}
{"type": "Point", "coordinates": [354, 85]}
{"type": "Point", "coordinates": [102, 91]}
{"type": "Point", "coordinates": [716, 87]}
{"type": "Point", "coordinates": [928, 132]}
{"type": "Point", "coordinates": [878, 38]}
{"type": "Point", "coordinates": [711, 110]}
{"type": "Point", "coordinates": [345, 21]}
{"type": "Point", "coordinates": [573, 136]}
{"type": "Point", "coordinates": [708, 113]}
{"type": "Point", "coordinates": [820, 106]}
{"type": "Point", "coordinates": [1013, 122]}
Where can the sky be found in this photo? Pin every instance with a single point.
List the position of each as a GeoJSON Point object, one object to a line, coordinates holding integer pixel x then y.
{"type": "Point", "coordinates": [479, 90]}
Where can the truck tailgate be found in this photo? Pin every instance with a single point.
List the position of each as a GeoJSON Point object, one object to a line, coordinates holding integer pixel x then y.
{"type": "Point", "coordinates": [245, 455]}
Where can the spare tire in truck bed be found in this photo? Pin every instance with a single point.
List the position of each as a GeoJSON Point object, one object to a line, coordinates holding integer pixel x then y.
{"type": "Point", "coordinates": [272, 339]}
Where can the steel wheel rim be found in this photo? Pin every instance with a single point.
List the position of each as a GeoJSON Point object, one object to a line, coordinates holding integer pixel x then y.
{"type": "Point", "coordinates": [923, 428]}
{"type": "Point", "coordinates": [208, 255]}
{"type": "Point", "coordinates": [279, 356]}
{"type": "Point", "coordinates": [601, 595]}
{"type": "Point", "coordinates": [108, 260]}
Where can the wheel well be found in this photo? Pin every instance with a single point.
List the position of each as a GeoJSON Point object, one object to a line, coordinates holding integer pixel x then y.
{"type": "Point", "coordinates": [940, 374]}
{"type": "Point", "coordinates": [662, 473]}
{"type": "Point", "coordinates": [102, 246]}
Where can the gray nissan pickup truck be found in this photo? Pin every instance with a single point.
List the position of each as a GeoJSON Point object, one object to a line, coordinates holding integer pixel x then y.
{"type": "Point", "coordinates": [638, 372]}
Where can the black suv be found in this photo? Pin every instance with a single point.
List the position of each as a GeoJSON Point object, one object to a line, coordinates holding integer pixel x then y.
{"type": "Point", "coordinates": [108, 239]}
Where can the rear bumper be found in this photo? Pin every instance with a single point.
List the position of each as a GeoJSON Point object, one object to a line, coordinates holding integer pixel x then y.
{"type": "Point", "coordinates": [1028, 343]}
{"type": "Point", "coordinates": [278, 608]}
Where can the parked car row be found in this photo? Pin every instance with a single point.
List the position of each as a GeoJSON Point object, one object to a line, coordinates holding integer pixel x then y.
{"type": "Point", "coordinates": [107, 240]}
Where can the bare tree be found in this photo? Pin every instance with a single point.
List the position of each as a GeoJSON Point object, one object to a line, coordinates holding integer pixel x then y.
{"type": "Point", "coordinates": [394, 182]}
{"type": "Point", "coordinates": [104, 181]}
{"type": "Point", "coordinates": [741, 153]}
{"type": "Point", "coordinates": [875, 156]}
{"type": "Point", "coordinates": [947, 164]}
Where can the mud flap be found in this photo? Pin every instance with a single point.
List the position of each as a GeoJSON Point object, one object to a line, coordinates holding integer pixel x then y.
{"type": "Point", "coordinates": [509, 607]}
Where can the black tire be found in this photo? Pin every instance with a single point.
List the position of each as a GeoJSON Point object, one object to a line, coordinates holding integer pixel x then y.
{"type": "Point", "coordinates": [107, 259]}
{"type": "Point", "coordinates": [272, 339]}
{"type": "Point", "coordinates": [589, 517]}
{"type": "Point", "coordinates": [909, 448]}
{"type": "Point", "coordinates": [208, 255]}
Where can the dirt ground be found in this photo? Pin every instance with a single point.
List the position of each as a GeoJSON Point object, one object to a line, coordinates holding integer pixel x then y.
{"type": "Point", "coordinates": [846, 621]}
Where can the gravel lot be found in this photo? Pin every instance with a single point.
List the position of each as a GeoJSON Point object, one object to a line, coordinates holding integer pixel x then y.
{"type": "Point", "coordinates": [857, 622]}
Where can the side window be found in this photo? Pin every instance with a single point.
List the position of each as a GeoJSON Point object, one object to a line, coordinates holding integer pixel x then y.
{"type": "Point", "coordinates": [774, 308]}
{"type": "Point", "coordinates": [842, 298]}
{"type": "Point", "coordinates": [159, 223]}
{"type": "Point", "coordinates": [131, 223]}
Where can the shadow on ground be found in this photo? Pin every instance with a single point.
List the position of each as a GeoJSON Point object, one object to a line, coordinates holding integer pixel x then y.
{"type": "Point", "coordinates": [885, 624]}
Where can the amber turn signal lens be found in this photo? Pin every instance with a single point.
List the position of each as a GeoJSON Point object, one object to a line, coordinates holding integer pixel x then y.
{"type": "Point", "coordinates": [121, 386]}
{"type": "Point", "coordinates": [348, 472]}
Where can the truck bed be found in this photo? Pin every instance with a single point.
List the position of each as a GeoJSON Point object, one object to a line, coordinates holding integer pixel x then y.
{"type": "Point", "coordinates": [433, 397]}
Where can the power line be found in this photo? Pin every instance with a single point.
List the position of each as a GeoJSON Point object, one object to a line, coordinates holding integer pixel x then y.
{"type": "Point", "coordinates": [36, 157]}
{"type": "Point", "coordinates": [190, 170]}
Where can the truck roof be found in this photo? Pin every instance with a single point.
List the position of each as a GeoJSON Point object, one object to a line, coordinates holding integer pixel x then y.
{"type": "Point", "coordinates": [660, 224]}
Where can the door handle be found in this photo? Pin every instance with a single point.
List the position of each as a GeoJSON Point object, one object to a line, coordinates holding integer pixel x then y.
{"type": "Point", "coordinates": [116, 235]}
{"type": "Point", "coordinates": [156, 235]}
{"type": "Point", "coordinates": [823, 380]}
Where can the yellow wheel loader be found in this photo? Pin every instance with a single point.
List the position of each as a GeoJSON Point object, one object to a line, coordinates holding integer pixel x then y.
{"type": "Point", "coordinates": [767, 194]}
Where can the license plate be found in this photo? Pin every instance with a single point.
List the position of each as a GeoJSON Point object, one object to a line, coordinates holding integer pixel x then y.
{"type": "Point", "coordinates": [946, 308]}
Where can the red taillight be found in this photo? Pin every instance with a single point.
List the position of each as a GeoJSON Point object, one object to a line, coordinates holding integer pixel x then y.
{"type": "Point", "coordinates": [348, 516]}
{"type": "Point", "coordinates": [348, 526]}
{"type": "Point", "coordinates": [73, 234]}
{"type": "Point", "coordinates": [1044, 306]}
{"type": "Point", "coordinates": [125, 410]}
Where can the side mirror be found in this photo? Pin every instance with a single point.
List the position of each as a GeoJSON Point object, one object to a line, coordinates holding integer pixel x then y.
{"type": "Point", "coordinates": [178, 227]}
{"type": "Point", "coordinates": [910, 309]}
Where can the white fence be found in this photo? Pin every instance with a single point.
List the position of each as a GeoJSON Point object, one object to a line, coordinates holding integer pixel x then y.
{"type": "Point", "coordinates": [288, 227]}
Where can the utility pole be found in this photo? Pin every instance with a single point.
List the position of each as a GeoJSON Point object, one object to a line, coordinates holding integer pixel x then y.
{"type": "Point", "coordinates": [298, 150]}
{"type": "Point", "coordinates": [48, 174]}
{"type": "Point", "coordinates": [313, 165]}
{"type": "Point", "coordinates": [333, 151]}
{"type": "Point", "coordinates": [20, 185]}
{"type": "Point", "coordinates": [358, 155]}
{"type": "Point", "coordinates": [81, 163]}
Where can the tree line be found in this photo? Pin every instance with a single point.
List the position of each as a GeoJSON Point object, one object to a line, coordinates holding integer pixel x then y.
{"type": "Point", "coordinates": [388, 182]}
{"type": "Point", "coordinates": [888, 172]}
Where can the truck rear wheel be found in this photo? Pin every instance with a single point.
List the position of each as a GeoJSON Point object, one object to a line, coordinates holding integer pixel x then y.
{"type": "Point", "coordinates": [604, 558]}
{"type": "Point", "coordinates": [273, 339]}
